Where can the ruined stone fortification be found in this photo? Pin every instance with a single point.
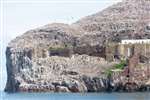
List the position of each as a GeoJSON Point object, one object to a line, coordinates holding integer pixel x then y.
{"type": "Point", "coordinates": [71, 58]}
{"type": "Point", "coordinates": [124, 51]}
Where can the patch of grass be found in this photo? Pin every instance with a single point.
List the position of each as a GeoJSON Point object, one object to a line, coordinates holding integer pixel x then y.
{"type": "Point", "coordinates": [108, 72]}
{"type": "Point", "coordinates": [121, 65]}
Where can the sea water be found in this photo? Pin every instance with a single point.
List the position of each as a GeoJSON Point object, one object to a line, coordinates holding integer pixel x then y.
{"type": "Point", "coordinates": [75, 96]}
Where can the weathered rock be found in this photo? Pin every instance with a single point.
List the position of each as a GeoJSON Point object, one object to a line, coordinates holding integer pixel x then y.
{"type": "Point", "coordinates": [61, 89]}
{"type": "Point", "coordinates": [125, 20]}
{"type": "Point", "coordinates": [71, 58]}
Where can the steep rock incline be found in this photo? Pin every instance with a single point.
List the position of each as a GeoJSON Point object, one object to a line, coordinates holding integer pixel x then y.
{"type": "Point", "coordinates": [31, 66]}
{"type": "Point", "coordinates": [24, 51]}
{"type": "Point", "coordinates": [68, 58]}
{"type": "Point", "coordinates": [51, 34]}
{"type": "Point", "coordinates": [124, 20]}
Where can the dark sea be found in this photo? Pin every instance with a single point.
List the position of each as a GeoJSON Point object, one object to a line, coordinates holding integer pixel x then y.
{"type": "Point", "coordinates": [75, 96]}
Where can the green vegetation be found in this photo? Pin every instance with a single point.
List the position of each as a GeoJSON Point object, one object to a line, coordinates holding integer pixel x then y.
{"type": "Point", "coordinates": [68, 46]}
{"type": "Point", "coordinates": [121, 65]}
{"type": "Point", "coordinates": [56, 48]}
{"type": "Point", "coordinates": [108, 72]}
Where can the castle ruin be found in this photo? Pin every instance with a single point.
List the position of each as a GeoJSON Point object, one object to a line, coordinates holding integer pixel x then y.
{"type": "Point", "coordinates": [127, 48]}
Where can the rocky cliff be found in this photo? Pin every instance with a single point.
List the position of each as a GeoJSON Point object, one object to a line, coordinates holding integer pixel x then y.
{"type": "Point", "coordinates": [71, 58]}
{"type": "Point", "coordinates": [124, 20]}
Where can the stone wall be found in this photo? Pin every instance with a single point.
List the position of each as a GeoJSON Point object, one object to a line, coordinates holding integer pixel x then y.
{"type": "Point", "coordinates": [111, 50]}
{"type": "Point", "coordinates": [141, 49]}
{"type": "Point", "coordinates": [40, 52]}
{"type": "Point", "coordinates": [90, 50]}
{"type": "Point", "coordinates": [65, 52]}
{"type": "Point", "coordinates": [122, 50]}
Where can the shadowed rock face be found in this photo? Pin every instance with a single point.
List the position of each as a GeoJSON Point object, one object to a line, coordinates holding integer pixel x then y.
{"type": "Point", "coordinates": [30, 67]}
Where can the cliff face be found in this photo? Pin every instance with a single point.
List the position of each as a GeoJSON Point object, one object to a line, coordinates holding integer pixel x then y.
{"type": "Point", "coordinates": [70, 58]}
{"type": "Point", "coordinates": [39, 60]}
{"type": "Point", "coordinates": [125, 20]}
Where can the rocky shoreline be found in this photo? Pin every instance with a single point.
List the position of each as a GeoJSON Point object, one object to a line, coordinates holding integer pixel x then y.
{"type": "Point", "coordinates": [71, 58]}
{"type": "Point", "coordinates": [89, 85]}
{"type": "Point", "coordinates": [81, 73]}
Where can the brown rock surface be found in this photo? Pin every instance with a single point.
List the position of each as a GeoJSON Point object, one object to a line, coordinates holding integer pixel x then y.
{"type": "Point", "coordinates": [32, 66]}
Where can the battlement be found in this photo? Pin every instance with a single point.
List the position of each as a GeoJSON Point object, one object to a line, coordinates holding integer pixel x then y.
{"type": "Point", "coordinates": [136, 41]}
